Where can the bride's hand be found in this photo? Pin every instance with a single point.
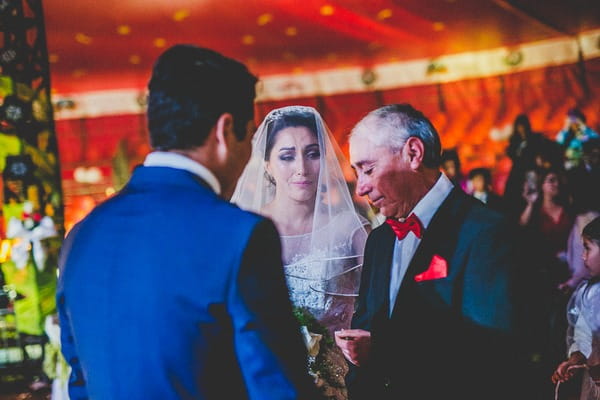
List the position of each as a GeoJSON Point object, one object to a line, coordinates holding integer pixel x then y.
{"type": "Point", "coordinates": [355, 345]}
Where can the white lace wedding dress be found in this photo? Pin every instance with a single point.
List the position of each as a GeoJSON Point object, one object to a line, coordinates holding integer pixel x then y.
{"type": "Point", "coordinates": [324, 281]}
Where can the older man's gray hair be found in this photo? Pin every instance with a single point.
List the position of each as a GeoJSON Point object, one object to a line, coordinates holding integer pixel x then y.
{"type": "Point", "coordinates": [392, 125]}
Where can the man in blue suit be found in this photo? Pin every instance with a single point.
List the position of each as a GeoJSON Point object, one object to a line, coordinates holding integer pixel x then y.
{"type": "Point", "coordinates": [168, 291]}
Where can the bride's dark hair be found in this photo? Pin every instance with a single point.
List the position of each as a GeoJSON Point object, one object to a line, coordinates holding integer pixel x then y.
{"type": "Point", "coordinates": [290, 118]}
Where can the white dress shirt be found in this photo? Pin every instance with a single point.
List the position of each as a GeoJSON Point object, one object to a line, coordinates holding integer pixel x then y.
{"type": "Point", "coordinates": [405, 249]}
{"type": "Point", "coordinates": [175, 160]}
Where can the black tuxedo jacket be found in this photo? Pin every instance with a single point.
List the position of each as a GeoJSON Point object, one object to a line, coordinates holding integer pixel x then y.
{"type": "Point", "coordinates": [451, 338]}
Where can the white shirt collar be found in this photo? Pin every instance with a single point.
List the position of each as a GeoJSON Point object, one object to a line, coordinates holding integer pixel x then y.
{"type": "Point", "coordinates": [174, 160]}
{"type": "Point", "coordinates": [429, 204]}
{"type": "Point", "coordinates": [482, 196]}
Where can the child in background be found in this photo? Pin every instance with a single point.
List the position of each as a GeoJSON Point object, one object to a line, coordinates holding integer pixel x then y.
{"type": "Point", "coordinates": [583, 313]}
{"type": "Point", "coordinates": [480, 187]}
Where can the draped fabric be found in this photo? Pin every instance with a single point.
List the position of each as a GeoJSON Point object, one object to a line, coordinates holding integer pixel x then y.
{"type": "Point", "coordinates": [475, 116]}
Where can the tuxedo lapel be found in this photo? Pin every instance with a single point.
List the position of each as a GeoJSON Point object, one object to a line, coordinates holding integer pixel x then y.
{"type": "Point", "coordinates": [440, 238]}
{"type": "Point", "coordinates": [441, 235]}
{"type": "Point", "coordinates": [381, 274]}
{"type": "Point", "coordinates": [161, 177]}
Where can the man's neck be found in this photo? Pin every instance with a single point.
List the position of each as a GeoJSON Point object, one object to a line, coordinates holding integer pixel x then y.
{"type": "Point", "coordinates": [421, 184]}
{"type": "Point", "coordinates": [202, 156]}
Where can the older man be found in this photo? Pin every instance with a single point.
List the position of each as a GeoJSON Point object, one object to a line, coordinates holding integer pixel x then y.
{"type": "Point", "coordinates": [435, 316]}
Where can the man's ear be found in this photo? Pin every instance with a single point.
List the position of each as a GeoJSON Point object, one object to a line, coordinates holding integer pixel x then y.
{"type": "Point", "coordinates": [415, 150]}
{"type": "Point", "coordinates": [223, 135]}
{"type": "Point", "coordinates": [224, 127]}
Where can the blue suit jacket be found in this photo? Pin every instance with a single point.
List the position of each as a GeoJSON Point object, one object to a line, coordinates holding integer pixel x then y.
{"type": "Point", "coordinates": [166, 291]}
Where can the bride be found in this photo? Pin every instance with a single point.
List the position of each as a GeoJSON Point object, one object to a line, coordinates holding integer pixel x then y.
{"type": "Point", "coordinates": [294, 177]}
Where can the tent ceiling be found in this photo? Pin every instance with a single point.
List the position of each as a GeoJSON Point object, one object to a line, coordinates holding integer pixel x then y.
{"type": "Point", "coordinates": [111, 44]}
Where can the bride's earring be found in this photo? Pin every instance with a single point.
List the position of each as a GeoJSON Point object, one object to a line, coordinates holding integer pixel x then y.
{"type": "Point", "coordinates": [268, 176]}
{"type": "Point", "coordinates": [270, 179]}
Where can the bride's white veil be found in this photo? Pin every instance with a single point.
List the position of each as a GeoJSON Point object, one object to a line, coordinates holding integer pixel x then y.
{"type": "Point", "coordinates": [336, 241]}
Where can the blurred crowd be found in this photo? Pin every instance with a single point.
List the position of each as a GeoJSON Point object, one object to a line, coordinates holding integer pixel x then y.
{"type": "Point", "coordinates": [552, 192]}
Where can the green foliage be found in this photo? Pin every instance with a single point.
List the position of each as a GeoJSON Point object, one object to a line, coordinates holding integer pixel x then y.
{"type": "Point", "coordinates": [321, 367]}
{"type": "Point", "coordinates": [305, 318]}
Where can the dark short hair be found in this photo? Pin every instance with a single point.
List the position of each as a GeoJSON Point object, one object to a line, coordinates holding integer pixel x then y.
{"type": "Point", "coordinates": [190, 88]}
{"type": "Point", "coordinates": [592, 230]}
{"type": "Point", "coordinates": [450, 155]}
{"type": "Point", "coordinates": [289, 118]}
{"type": "Point", "coordinates": [483, 172]}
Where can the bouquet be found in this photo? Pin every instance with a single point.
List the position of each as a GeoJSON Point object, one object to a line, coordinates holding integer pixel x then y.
{"type": "Point", "coordinates": [324, 361]}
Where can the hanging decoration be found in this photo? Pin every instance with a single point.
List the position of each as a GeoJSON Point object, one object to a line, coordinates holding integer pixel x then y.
{"type": "Point", "coordinates": [368, 77]}
{"type": "Point", "coordinates": [31, 223]}
{"type": "Point", "coordinates": [514, 58]}
{"type": "Point", "coordinates": [27, 234]}
{"type": "Point", "coordinates": [436, 67]}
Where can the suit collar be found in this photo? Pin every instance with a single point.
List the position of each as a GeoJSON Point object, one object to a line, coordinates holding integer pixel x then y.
{"type": "Point", "coordinates": [157, 177]}
{"type": "Point", "coordinates": [178, 161]}
{"type": "Point", "coordinates": [439, 238]}
{"type": "Point", "coordinates": [442, 234]}
{"type": "Point", "coordinates": [383, 262]}
{"type": "Point", "coordinates": [428, 206]}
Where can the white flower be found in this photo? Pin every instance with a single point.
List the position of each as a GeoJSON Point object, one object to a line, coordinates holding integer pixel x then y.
{"type": "Point", "coordinates": [28, 223]}
{"type": "Point", "coordinates": [311, 341]}
{"type": "Point", "coordinates": [27, 207]}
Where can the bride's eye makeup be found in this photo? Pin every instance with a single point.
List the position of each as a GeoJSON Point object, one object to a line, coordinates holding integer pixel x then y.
{"type": "Point", "coordinates": [312, 151]}
{"type": "Point", "coordinates": [313, 155]}
{"type": "Point", "coordinates": [286, 157]}
{"type": "Point", "coordinates": [287, 153]}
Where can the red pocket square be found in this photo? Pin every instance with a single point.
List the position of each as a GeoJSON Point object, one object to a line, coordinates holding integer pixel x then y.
{"type": "Point", "coordinates": [438, 268]}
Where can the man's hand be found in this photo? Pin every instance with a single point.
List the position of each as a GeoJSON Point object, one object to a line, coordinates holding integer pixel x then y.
{"type": "Point", "coordinates": [355, 344]}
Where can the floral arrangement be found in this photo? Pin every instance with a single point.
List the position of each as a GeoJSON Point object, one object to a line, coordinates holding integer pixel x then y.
{"type": "Point", "coordinates": [305, 318]}
{"type": "Point", "coordinates": [28, 233]}
{"type": "Point", "coordinates": [319, 345]}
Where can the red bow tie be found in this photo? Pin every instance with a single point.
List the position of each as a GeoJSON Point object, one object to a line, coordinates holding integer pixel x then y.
{"type": "Point", "coordinates": [401, 229]}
